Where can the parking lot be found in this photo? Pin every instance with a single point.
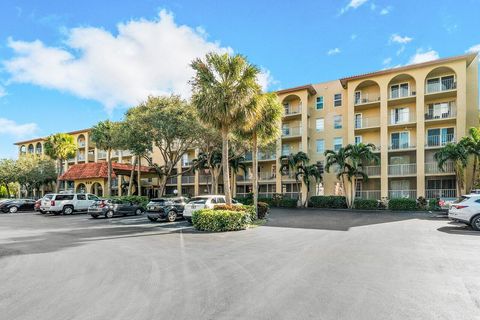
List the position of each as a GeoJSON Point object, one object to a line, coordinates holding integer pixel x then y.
{"type": "Point", "coordinates": [302, 264]}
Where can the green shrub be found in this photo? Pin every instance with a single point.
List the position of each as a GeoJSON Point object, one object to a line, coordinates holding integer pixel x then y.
{"type": "Point", "coordinates": [262, 209]}
{"type": "Point", "coordinates": [288, 203]}
{"type": "Point", "coordinates": [140, 200]}
{"type": "Point", "coordinates": [433, 205]}
{"type": "Point", "coordinates": [402, 204]}
{"type": "Point", "coordinates": [335, 202]}
{"type": "Point", "coordinates": [220, 220]}
{"type": "Point", "coordinates": [422, 203]}
{"type": "Point", "coordinates": [244, 200]}
{"type": "Point", "coordinates": [365, 204]}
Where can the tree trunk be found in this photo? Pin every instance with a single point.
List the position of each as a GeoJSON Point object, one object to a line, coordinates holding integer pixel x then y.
{"type": "Point", "coordinates": [132, 175]}
{"type": "Point", "coordinates": [109, 174]}
{"type": "Point", "coordinates": [139, 181]}
{"type": "Point", "coordinates": [59, 169]}
{"type": "Point", "coordinates": [474, 174]}
{"type": "Point", "coordinates": [353, 191]}
{"type": "Point", "coordinates": [255, 174]}
{"type": "Point", "coordinates": [8, 190]}
{"type": "Point", "coordinates": [226, 178]}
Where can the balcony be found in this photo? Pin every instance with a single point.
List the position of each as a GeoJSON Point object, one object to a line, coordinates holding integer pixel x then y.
{"type": "Point", "coordinates": [410, 194]}
{"type": "Point", "coordinates": [292, 110]}
{"type": "Point", "coordinates": [188, 179]}
{"type": "Point", "coordinates": [266, 176]}
{"type": "Point", "coordinates": [101, 154]}
{"type": "Point", "coordinates": [401, 119]}
{"type": "Point", "coordinates": [187, 163]}
{"type": "Point", "coordinates": [402, 169]}
{"type": "Point", "coordinates": [368, 194]}
{"type": "Point", "coordinates": [291, 132]}
{"type": "Point", "coordinates": [172, 180]}
{"type": "Point", "coordinates": [440, 193]}
{"type": "Point", "coordinates": [261, 156]}
{"type": "Point", "coordinates": [399, 145]}
{"type": "Point", "coordinates": [440, 111]}
{"type": "Point", "coordinates": [366, 100]}
{"type": "Point", "coordinates": [204, 179]}
{"type": "Point", "coordinates": [401, 94]}
{"type": "Point", "coordinates": [366, 123]}
{"type": "Point", "coordinates": [432, 168]}
{"type": "Point", "coordinates": [372, 171]}
{"type": "Point", "coordinates": [244, 178]}
{"type": "Point", "coordinates": [441, 84]}
{"type": "Point", "coordinates": [126, 153]}
{"type": "Point", "coordinates": [81, 144]}
{"type": "Point", "coordinates": [438, 141]}
{"type": "Point", "coordinates": [81, 157]}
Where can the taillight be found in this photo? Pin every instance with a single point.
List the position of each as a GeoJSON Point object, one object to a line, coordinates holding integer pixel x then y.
{"type": "Point", "coordinates": [102, 204]}
{"type": "Point", "coordinates": [460, 207]}
{"type": "Point", "coordinates": [52, 203]}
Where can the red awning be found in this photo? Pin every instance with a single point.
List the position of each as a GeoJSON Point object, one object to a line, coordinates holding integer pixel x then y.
{"type": "Point", "coordinates": [98, 170]}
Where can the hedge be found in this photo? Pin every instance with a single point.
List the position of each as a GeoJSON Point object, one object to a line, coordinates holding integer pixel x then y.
{"type": "Point", "coordinates": [335, 202]}
{"type": "Point", "coordinates": [220, 220]}
{"type": "Point", "coordinates": [365, 204]}
{"type": "Point", "coordinates": [276, 201]}
{"type": "Point", "coordinates": [402, 204]}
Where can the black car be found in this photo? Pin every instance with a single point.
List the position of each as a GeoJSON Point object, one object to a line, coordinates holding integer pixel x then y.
{"type": "Point", "coordinates": [113, 207]}
{"type": "Point", "coordinates": [16, 205]}
{"type": "Point", "coordinates": [166, 208]}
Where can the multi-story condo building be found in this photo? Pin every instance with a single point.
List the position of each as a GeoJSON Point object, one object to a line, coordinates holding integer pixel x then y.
{"type": "Point", "coordinates": [408, 112]}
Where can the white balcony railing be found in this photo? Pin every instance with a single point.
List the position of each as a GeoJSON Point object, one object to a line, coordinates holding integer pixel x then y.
{"type": "Point", "coordinates": [188, 179]}
{"type": "Point", "coordinates": [397, 144]}
{"type": "Point", "coordinates": [437, 112]}
{"type": "Point", "coordinates": [292, 131]}
{"type": "Point", "coordinates": [292, 110]}
{"type": "Point", "coordinates": [265, 176]}
{"type": "Point", "coordinates": [368, 194]}
{"type": "Point", "coordinates": [402, 169]}
{"type": "Point", "coordinates": [367, 122]}
{"type": "Point", "coordinates": [372, 171]}
{"type": "Point", "coordinates": [432, 168]}
{"type": "Point", "coordinates": [366, 99]}
{"type": "Point", "coordinates": [401, 118]}
{"type": "Point", "coordinates": [440, 193]}
{"type": "Point", "coordinates": [442, 84]}
{"type": "Point", "coordinates": [439, 140]}
{"type": "Point", "coordinates": [402, 93]}
{"type": "Point", "coordinates": [411, 194]}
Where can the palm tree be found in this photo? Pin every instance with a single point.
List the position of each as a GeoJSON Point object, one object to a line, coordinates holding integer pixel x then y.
{"type": "Point", "coordinates": [472, 144]}
{"type": "Point", "coordinates": [458, 154]}
{"type": "Point", "coordinates": [349, 162]}
{"type": "Point", "coordinates": [307, 173]}
{"type": "Point", "coordinates": [262, 130]}
{"type": "Point", "coordinates": [106, 135]}
{"type": "Point", "coordinates": [60, 147]}
{"type": "Point", "coordinates": [222, 91]}
{"type": "Point", "coordinates": [291, 163]}
{"type": "Point", "coordinates": [210, 161]}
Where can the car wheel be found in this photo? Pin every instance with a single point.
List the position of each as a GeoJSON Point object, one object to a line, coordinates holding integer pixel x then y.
{"type": "Point", "coordinates": [476, 223]}
{"type": "Point", "coordinates": [138, 211]}
{"type": "Point", "coordinates": [152, 219]}
{"type": "Point", "coordinates": [42, 212]}
{"type": "Point", "coordinates": [94, 216]}
{"type": "Point", "coordinates": [13, 210]}
{"type": "Point", "coordinates": [171, 216]}
{"type": "Point", "coordinates": [67, 210]}
{"type": "Point", "coordinates": [109, 214]}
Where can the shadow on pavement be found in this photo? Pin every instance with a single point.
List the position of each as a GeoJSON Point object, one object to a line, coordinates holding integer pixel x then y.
{"type": "Point", "coordinates": [339, 220]}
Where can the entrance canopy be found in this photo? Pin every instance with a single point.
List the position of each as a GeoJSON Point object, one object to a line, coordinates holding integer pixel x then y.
{"type": "Point", "coordinates": [100, 170]}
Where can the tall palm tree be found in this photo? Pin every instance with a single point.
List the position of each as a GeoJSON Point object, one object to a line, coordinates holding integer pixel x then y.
{"type": "Point", "coordinates": [349, 162]}
{"type": "Point", "coordinates": [60, 147]}
{"type": "Point", "coordinates": [262, 130]}
{"type": "Point", "coordinates": [223, 89]}
{"type": "Point", "coordinates": [456, 153]}
{"type": "Point", "coordinates": [472, 144]}
{"type": "Point", "coordinates": [307, 173]}
{"type": "Point", "coordinates": [106, 135]}
{"type": "Point", "coordinates": [291, 163]}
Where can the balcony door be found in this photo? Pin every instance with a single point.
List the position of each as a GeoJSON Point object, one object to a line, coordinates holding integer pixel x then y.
{"type": "Point", "coordinates": [358, 120]}
{"type": "Point", "coordinates": [400, 140]}
{"type": "Point", "coordinates": [358, 97]}
{"type": "Point", "coordinates": [400, 115]}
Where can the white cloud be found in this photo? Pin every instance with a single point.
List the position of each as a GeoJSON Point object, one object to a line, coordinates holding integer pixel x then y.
{"type": "Point", "coordinates": [144, 57]}
{"type": "Point", "coordinates": [373, 6]}
{"type": "Point", "coordinates": [333, 51]}
{"type": "Point", "coordinates": [353, 4]}
{"type": "Point", "coordinates": [387, 61]}
{"type": "Point", "coordinates": [399, 39]}
{"type": "Point", "coordinates": [423, 56]}
{"type": "Point", "coordinates": [353, 36]}
{"type": "Point", "coordinates": [474, 49]}
{"type": "Point", "coordinates": [12, 128]}
{"type": "Point", "coordinates": [386, 10]}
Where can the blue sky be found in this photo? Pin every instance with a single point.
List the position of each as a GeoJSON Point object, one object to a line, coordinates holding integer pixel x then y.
{"type": "Point", "coordinates": [65, 65]}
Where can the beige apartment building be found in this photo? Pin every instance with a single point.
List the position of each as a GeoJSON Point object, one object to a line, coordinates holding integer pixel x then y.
{"type": "Point", "coordinates": [407, 112]}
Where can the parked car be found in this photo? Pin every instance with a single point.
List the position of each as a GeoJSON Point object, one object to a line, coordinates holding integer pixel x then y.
{"type": "Point", "coordinates": [67, 203]}
{"type": "Point", "coordinates": [467, 210]}
{"type": "Point", "coordinates": [203, 202]}
{"type": "Point", "coordinates": [113, 207]}
{"type": "Point", "coordinates": [166, 208]}
{"type": "Point", "coordinates": [16, 205]}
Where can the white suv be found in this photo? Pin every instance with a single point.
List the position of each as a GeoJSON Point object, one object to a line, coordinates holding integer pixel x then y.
{"type": "Point", "coordinates": [67, 203]}
{"type": "Point", "coordinates": [467, 210]}
{"type": "Point", "coordinates": [203, 202]}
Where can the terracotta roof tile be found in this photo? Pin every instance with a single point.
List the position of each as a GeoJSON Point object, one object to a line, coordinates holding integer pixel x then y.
{"type": "Point", "coordinates": [97, 170]}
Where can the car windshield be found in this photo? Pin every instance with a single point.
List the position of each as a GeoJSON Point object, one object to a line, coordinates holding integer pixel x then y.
{"type": "Point", "coordinates": [48, 197]}
{"type": "Point", "coordinates": [461, 199]}
{"type": "Point", "coordinates": [198, 200]}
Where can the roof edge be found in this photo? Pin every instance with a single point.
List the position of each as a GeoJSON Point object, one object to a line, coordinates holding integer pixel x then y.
{"type": "Point", "coordinates": [311, 90]}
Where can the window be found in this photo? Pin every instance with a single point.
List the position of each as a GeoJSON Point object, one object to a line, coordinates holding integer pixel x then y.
{"type": "Point", "coordinates": [319, 103]}
{"type": "Point", "coordinates": [320, 146]}
{"type": "Point", "coordinates": [220, 200]}
{"type": "Point", "coordinates": [440, 110]}
{"type": "Point", "coordinates": [285, 149]}
{"type": "Point", "coordinates": [400, 140]}
{"type": "Point", "coordinates": [93, 197]}
{"type": "Point", "coordinates": [399, 90]}
{"type": "Point", "coordinates": [358, 121]}
{"type": "Point", "coordinates": [320, 124]}
{"type": "Point", "coordinates": [441, 84]}
{"type": "Point", "coordinates": [440, 136]}
{"type": "Point", "coordinates": [358, 139]}
{"type": "Point", "coordinates": [337, 121]}
{"type": "Point", "coordinates": [337, 143]}
{"type": "Point", "coordinates": [400, 115]}
{"type": "Point", "coordinates": [337, 100]}
{"type": "Point", "coordinates": [62, 197]}
{"type": "Point", "coordinates": [286, 107]}
{"type": "Point", "coordinates": [81, 197]}
{"type": "Point", "coordinates": [358, 97]}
